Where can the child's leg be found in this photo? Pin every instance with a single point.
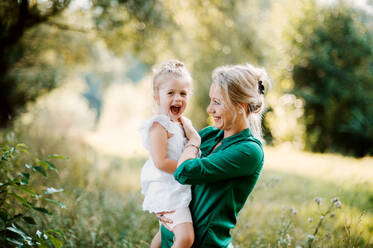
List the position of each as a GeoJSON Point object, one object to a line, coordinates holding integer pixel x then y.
{"type": "Point", "coordinates": [184, 235]}
{"type": "Point", "coordinates": [156, 242]}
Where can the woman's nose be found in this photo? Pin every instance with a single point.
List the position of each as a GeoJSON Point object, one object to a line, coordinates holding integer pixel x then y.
{"type": "Point", "coordinates": [209, 109]}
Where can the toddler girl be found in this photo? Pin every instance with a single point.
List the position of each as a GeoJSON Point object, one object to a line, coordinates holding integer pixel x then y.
{"type": "Point", "coordinates": [163, 136]}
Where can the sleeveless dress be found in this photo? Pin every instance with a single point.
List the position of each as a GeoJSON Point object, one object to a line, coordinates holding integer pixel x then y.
{"type": "Point", "coordinates": [161, 191]}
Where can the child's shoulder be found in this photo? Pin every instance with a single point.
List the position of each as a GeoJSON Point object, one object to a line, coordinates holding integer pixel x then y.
{"type": "Point", "coordinates": [163, 120]}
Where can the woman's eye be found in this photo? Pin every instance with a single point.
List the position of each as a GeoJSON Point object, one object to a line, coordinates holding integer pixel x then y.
{"type": "Point", "coordinates": [216, 103]}
{"type": "Point", "coordinates": [170, 93]}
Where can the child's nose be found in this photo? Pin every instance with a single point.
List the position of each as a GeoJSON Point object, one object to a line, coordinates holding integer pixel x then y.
{"type": "Point", "coordinates": [177, 97]}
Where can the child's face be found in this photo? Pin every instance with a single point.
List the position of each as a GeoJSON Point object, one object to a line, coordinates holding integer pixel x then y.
{"type": "Point", "coordinates": [173, 95]}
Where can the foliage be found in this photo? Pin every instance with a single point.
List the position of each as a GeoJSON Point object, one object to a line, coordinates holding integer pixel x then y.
{"type": "Point", "coordinates": [18, 17]}
{"type": "Point", "coordinates": [21, 200]}
{"type": "Point", "coordinates": [332, 57]}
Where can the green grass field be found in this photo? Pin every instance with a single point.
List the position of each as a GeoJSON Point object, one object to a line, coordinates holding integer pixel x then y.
{"type": "Point", "coordinates": [104, 203]}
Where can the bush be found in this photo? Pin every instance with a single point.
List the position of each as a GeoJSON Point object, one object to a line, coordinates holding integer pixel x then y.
{"type": "Point", "coordinates": [21, 199]}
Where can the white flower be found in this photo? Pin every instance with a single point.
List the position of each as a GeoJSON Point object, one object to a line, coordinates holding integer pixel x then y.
{"type": "Point", "coordinates": [337, 202]}
{"type": "Point", "coordinates": [310, 237]}
{"type": "Point", "coordinates": [318, 200]}
{"type": "Point", "coordinates": [293, 210]}
{"type": "Point", "coordinates": [309, 219]}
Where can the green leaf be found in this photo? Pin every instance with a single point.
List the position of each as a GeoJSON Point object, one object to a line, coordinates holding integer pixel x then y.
{"type": "Point", "coordinates": [49, 165]}
{"type": "Point", "coordinates": [5, 155]}
{"type": "Point", "coordinates": [21, 145]}
{"type": "Point", "coordinates": [24, 188]}
{"type": "Point", "coordinates": [40, 169]}
{"type": "Point", "coordinates": [52, 190]}
{"type": "Point", "coordinates": [56, 202]}
{"type": "Point", "coordinates": [25, 175]}
{"type": "Point", "coordinates": [29, 220]}
{"type": "Point", "coordinates": [20, 199]}
{"type": "Point", "coordinates": [14, 229]}
{"type": "Point", "coordinates": [56, 242]}
{"type": "Point", "coordinates": [14, 241]}
{"type": "Point", "coordinates": [57, 156]}
{"type": "Point", "coordinates": [42, 210]}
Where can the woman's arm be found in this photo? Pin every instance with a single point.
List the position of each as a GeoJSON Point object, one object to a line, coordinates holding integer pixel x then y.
{"type": "Point", "coordinates": [191, 149]}
{"type": "Point", "coordinates": [158, 137]}
{"type": "Point", "coordinates": [235, 161]}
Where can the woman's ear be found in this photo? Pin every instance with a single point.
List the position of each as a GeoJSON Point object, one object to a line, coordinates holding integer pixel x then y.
{"type": "Point", "coordinates": [244, 106]}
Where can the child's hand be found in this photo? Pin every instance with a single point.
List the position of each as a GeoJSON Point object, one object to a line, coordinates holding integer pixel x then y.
{"type": "Point", "coordinates": [190, 132]}
{"type": "Point", "coordinates": [164, 220]}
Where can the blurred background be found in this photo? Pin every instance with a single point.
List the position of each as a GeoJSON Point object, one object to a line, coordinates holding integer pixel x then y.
{"type": "Point", "coordinates": [76, 80]}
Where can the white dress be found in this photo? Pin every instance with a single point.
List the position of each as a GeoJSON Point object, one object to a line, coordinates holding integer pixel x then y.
{"type": "Point", "coordinates": [162, 192]}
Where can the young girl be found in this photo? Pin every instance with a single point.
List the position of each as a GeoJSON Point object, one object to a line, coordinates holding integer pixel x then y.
{"type": "Point", "coordinates": [163, 136]}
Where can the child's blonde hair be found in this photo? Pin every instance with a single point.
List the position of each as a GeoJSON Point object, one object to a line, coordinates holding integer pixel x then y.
{"type": "Point", "coordinates": [244, 84]}
{"type": "Point", "coordinates": [172, 68]}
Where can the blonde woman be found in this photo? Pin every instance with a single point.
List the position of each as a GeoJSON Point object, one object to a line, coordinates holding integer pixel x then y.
{"type": "Point", "coordinates": [232, 155]}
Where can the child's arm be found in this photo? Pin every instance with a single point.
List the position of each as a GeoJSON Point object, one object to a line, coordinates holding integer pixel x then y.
{"type": "Point", "coordinates": [158, 137]}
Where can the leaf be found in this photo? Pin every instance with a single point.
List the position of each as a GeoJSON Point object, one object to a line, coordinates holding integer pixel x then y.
{"type": "Point", "coordinates": [42, 210]}
{"type": "Point", "coordinates": [40, 169]}
{"type": "Point", "coordinates": [57, 156]}
{"type": "Point", "coordinates": [52, 190]}
{"type": "Point", "coordinates": [14, 241]}
{"type": "Point", "coordinates": [44, 164]}
{"type": "Point", "coordinates": [21, 145]}
{"type": "Point", "coordinates": [25, 175]}
{"type": "Point", "coordinates": [24, 188]}
{"type": "Point", "coordinates": [56, 202]}
{"type": "Point", "coordinates": [56, 242]}
{"type": "Point", "coordinates": [20, 199]}
{"type": "Point", "coordinates": [50, 165]}
{"type": "Point", "coordinates": [14, 229]}
{"type": "Point", "coordinates": [4, 155]}
{"type": "Point", "coordinates": [39, 234]}
{"type": "Point", "coordinates": [29, 220]}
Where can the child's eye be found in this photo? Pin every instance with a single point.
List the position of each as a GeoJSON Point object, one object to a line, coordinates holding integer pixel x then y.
{"type": "Point", "coordinates": [183, 93]}
{"type": "Point", "coordinates": [170, 93]}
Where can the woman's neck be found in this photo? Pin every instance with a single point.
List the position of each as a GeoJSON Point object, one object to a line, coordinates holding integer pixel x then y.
{"type": "Point", "coordinates": [238, 126]}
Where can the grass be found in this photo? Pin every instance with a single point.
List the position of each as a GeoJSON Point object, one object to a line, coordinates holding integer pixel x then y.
{"type": "Point", "coordinates": [295, 190]}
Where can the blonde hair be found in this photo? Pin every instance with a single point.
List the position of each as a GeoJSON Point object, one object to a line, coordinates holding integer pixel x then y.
{"type": "Point", "coordinates": [244, 84]}
{"type": "Point", "coordinates": [172, 68]}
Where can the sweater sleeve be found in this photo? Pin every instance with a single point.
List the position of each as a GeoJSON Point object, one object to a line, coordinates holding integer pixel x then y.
{"type": "Point", "coordinates": [235, 161]}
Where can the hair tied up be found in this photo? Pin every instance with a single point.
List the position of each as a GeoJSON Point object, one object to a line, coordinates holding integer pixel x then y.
{"type": "Point", "coordinates": [260, 87]}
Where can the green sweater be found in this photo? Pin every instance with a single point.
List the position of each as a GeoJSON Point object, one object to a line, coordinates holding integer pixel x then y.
{"type": "Point", "coordinates": [221, 183]}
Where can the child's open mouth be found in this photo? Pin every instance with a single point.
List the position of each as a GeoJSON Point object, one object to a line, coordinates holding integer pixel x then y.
{"type": "Point", "coordinates": [175, 110]}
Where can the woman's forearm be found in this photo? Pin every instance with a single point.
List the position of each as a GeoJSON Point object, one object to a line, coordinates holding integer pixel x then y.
{"type": "Point", "coordinates": [191, 150]}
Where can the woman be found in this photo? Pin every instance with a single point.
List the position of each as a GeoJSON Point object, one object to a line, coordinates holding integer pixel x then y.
{"type": "Point", "coordinates": [231, 156]}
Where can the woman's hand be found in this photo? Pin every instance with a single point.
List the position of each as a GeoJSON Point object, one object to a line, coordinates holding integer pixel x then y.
{"type": "Point", "coordinates": [190, 132]}
{"type": "Point", "coordinates": [163, 219]}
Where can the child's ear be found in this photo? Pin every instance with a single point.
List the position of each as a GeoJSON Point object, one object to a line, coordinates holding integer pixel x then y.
{"type": "Point", "coordinates": [156, 98]}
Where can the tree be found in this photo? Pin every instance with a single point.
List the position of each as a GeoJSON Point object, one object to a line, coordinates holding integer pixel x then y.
{"type": "Point", "coordinates": [332, 54]}
{"type": "Point", "coordinates": [17, 17]}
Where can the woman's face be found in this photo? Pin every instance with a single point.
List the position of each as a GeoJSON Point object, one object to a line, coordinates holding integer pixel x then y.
{"type": "Point", "coordinates": [220, 109]}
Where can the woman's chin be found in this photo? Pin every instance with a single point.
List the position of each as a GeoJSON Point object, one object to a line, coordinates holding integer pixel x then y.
{"type": "Point", "coordinates": [217, 125]}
